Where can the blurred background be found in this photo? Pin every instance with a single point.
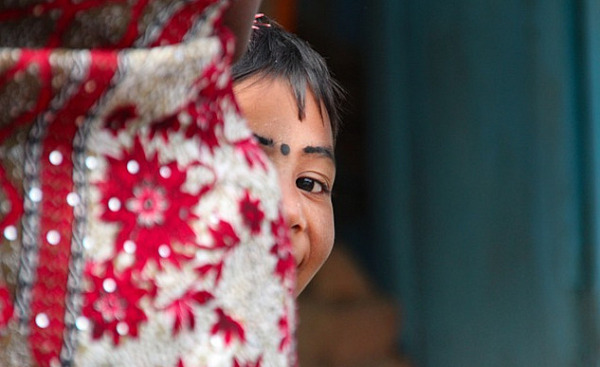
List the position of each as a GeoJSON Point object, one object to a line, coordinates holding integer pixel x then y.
{"type": "Point", "coordinates": [468, 191]}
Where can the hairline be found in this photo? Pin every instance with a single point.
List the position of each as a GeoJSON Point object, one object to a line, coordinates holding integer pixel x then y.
{"type": "Point", "coordinates": [299, 92]}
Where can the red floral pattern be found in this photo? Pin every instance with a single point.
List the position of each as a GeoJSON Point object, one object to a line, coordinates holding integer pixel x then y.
{"type": "Point", "coordinates": [286, 265]}
{"type": "Point", "coordinates": [182, 309]}
{"type": "Point", "coordinates": [285, 330]}
{"type": "Point", "coordinates": [205, 122]}
{"type": "Point", "coordinates": [227, 327]}
{"type": "Point", "coordinates": [119, 118]}
{"type": "Point", "coordinates": [206, 269]}
{"type": "Point", "coordinates": [224, 236]}
{"type": "Point", "coordinates": [112, 303]}
{"type": "Point", "coordinates": [251, 213]}
{"type": "Point", "coordinates": [252, 153]}
{"type": "Point", "coordinates": [198, 118]}
{"type": "Point", "coordinates": [162, 274]}
{"type": "Point", "coordinates": [151, 209]}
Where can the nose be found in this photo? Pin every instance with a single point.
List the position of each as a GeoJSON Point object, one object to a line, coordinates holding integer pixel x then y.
{"type": "Point", "coordinates": [293, 209]}
{"type": "Point", "coordinates": [295, 217]}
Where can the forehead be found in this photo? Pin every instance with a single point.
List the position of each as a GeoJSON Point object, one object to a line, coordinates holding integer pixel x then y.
{"type": "Point", "coordinates": [297, 96]}
{"type": "Point", "coordinates": [268, 100]}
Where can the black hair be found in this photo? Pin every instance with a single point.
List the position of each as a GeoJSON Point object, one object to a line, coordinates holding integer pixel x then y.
{"type": "Point", "coordinates": [273, 52]}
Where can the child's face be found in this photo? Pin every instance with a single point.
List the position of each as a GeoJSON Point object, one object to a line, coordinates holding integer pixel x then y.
{"type": "Point", "coordinates": [302, 151]}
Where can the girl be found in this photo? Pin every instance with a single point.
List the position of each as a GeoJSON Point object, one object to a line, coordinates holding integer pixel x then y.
{"type": "Point", "coordinates": [292, 104]}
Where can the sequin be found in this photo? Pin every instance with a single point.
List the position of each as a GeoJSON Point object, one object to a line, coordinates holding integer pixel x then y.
{"type": "Point", "coordinates": [73, 199]}
{"type": "Point", "coordinates": [87, 242]}
{"type": "Point", "coordinates": [164, 251]}
{"type": "Point", "coordinates": [82, 323]}
{"type": "Point", "coordinates": [90, 86]}
{"type": "Point", "coordinates": [42, 320]}
{"type": "Point", "coordinates": [165, 172]}
{"type": "Point", "coordinates": [55, 157]}
{"type": "Point", "coordinates": [35, 194]}
{"type": "Point", "coordinates": [109, 285]}
{"type": "Point", "coordinates": [10, 233]}
{"type": "Point", "coordinates": [114, 204]}
{"type": "Point", "coordinates": [133, 167]}
{"type": "Point", "coordinates": [122, 328]}
{"type": "Point", "coordinates": [129, 247]}
{"type": "Point", "coordinates": [53, 237]}
{"type": "Point", "coordinates": [91, 162]}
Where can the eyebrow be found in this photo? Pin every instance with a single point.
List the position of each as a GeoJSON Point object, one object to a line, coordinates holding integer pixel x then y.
{"type": "Point", "coordinates": [324, 151]}
{"type": "Point", "coordinates": [264, 141]}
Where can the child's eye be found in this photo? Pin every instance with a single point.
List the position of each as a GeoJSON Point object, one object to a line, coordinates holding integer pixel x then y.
{"type": "Point", "coordinates": [311, 185]}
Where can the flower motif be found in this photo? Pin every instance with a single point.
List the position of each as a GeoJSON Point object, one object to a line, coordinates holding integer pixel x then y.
{"type": "Point", "coordinates": [224, 236]}
{"type": "Point", "coordinates": [117, 120]}
{"type": "Point", "coordinates": [6, 307]}
{"type": "Point", "coordinates": [281, 235]}
{"type": "Point", "coordinates": [206, 113]}
{"type": "Point", "coordinates": [150, 204]}
{"type": "Point", "coordinates": [200, 118]}
{"type": "Point", "coordinates": [182, 308]}
{"type": "Point", "coordinates": [112, 303]}
{"type": "Point", "coordinates": [228, 327]}
{"type": "Point", "coordinates": [162, 126]}
{"type": "Point", "coordinates": [252, 153]}
{"type": "Point", "coordinates": [214, 83]}
{"type": "Point", "coordinates": [152, 209]}
{"type": "Point", "coordinates": [251, 213]}
{"type": "Point", "coordinates": [205, 117]}
{"type": "Point", "coordinates": [286, 265]}
{"type": "Point", "coordinates": [286, 335]}
{"type": "Point", "coordinates": [217, 268]}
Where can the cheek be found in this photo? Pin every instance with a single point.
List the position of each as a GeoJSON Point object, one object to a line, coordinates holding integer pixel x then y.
{"type": "Point", "coordinates": [323, 235]}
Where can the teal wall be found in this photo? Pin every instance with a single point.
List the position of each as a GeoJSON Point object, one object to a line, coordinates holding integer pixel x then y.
{"type": "Point", "coordinates": [483, 132]}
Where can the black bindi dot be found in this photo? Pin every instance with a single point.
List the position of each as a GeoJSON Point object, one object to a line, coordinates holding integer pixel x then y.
{"type": "Point", "coordinates": [285, 149]}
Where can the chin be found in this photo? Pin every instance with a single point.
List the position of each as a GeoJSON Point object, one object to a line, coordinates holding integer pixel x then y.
{"type": "Point", "coordinates": [301, 285]}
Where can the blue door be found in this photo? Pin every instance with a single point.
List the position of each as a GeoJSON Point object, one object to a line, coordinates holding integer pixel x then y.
{"type": "Point", "coordinates": [484, 141]}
